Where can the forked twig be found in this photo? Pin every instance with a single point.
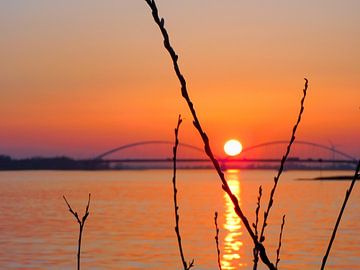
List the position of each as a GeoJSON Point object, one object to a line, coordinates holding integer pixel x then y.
{"type": "Point", "coordinates": [217, 240]}
{"type": "Point", "coordinates": [177, 229]}
{"type": "Point", "coordinates": [255, 225]}
{"type": "Point", "coordinates": [81, 225]}
{"type": "Point", "coordinates": [347, 195]}
{"type": "Point", "coordinates": [280, 238]}
{"type": "Point", "coordinates": [282, 163]}
{"type": "Point", "coordinates": [205, 139]}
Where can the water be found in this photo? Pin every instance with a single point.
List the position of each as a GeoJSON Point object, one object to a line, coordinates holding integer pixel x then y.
{"type": "Point", "coordinates": [131, 221]}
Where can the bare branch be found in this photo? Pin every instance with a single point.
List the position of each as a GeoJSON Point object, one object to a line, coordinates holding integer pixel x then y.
{"type": "Point", "coordinates": [81, 225]}
{"type": "Point", "coordinates": [217, 240]}
{"type": "Point", "coordinates": [282, 163]}
{"type": "Point", "coordinates": [196, 122]}
{"type": "Point", "coordinates": [280, 238]}
{"type": "Point", "coordinates": [255, 225]}
{"type": "Point", "coordinates": [75, 214]}
{"type": "Point", "coordinates": [177, 229]}
{"type": "Point", "coordinates": [86, 210]}
{"type": "Point", "coordinates": [347, 195]}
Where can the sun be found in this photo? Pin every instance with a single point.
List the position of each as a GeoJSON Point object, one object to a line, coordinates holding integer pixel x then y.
{"type": "Point", "coordinates": [232, 147]}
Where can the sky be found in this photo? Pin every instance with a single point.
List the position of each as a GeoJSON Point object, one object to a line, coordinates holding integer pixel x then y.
{"type": "Point", "coordinates": [80, 77]}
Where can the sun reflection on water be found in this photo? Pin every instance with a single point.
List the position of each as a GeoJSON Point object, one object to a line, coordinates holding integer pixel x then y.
{"type": "Point", "coordinates": [231, 258]}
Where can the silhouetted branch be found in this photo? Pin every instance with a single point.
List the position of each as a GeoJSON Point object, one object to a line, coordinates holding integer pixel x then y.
{"type": "Point", "coordinates": [217, 240]}
{"type": "Point", "coordinates": [347, 195]}
{"type": "Point", "coordinates": [279, 246]}
{"type": "Point", "coordinates": [207, 148]}
{"type": "Point", "coordinates": [282, 163]}
{"type": "Point", "coordinates": [177, 229]}
{"type": "Point", "coordinates": [81, 225]}
{"type": "Point", "coordinates": [255, 225]}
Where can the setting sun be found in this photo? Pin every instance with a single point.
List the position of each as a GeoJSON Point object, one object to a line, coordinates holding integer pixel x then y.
{"type": "Point", "coordinates": [232, 147]}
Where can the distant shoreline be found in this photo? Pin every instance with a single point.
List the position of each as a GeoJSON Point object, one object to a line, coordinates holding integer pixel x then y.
{"type": "Point", "coordinates": [330, 178]}
{"type": "Point", "coordinates": [69, 164]}
{"type": "Point", "coordinates": [344, 177]}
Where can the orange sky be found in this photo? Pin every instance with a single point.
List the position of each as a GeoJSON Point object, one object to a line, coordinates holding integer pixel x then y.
{"type": "Point", "coordinates": [79, 78]}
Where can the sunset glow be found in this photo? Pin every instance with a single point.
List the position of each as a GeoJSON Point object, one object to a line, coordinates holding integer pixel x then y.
{"type": "Point", "coordinates": [134, 113]}
{"type": "Point", "coordinates": [73, 85]}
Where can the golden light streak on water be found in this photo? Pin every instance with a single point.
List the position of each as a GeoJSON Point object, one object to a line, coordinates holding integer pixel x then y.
{"type": "Point", "coordinates": [231, 258]}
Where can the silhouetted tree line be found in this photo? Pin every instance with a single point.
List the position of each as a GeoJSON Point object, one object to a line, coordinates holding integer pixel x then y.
{"type": "Point", "coordinates": [51, 163]}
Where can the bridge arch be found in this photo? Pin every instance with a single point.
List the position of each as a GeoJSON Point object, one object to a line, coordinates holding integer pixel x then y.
{"type": "Point", "coordinates": [130, 145]}
{"type": "Point", "coordinates": [317, 145]}
{"type": "Point", "coordinates": [246, 149]}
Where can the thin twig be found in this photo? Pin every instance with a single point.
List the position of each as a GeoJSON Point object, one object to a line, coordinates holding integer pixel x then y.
{"type": "Point", "coordinates": [347, 195]}
{"type": "Point", "coordinates": [205, 139]}
{"type": "Point", "coordinates": [81, 225]}
{"type": "Point", "coordinates": [255, 225]}
{"type": "Point", "coordinates": [177, 229]}
{"type": "Point", "coordinates": [280, 238]}
{"type": "Point", "coordinates": [217, 240]}
{"type": "Point", "coordinates": [282, 163]}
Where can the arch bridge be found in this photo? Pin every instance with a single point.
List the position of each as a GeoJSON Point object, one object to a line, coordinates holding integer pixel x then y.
{"type": "Point", "coordinates": [346, 158]}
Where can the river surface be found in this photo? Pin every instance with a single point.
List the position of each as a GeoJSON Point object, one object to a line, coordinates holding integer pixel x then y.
{"type": "Point", "coordinates": [131, 221]}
